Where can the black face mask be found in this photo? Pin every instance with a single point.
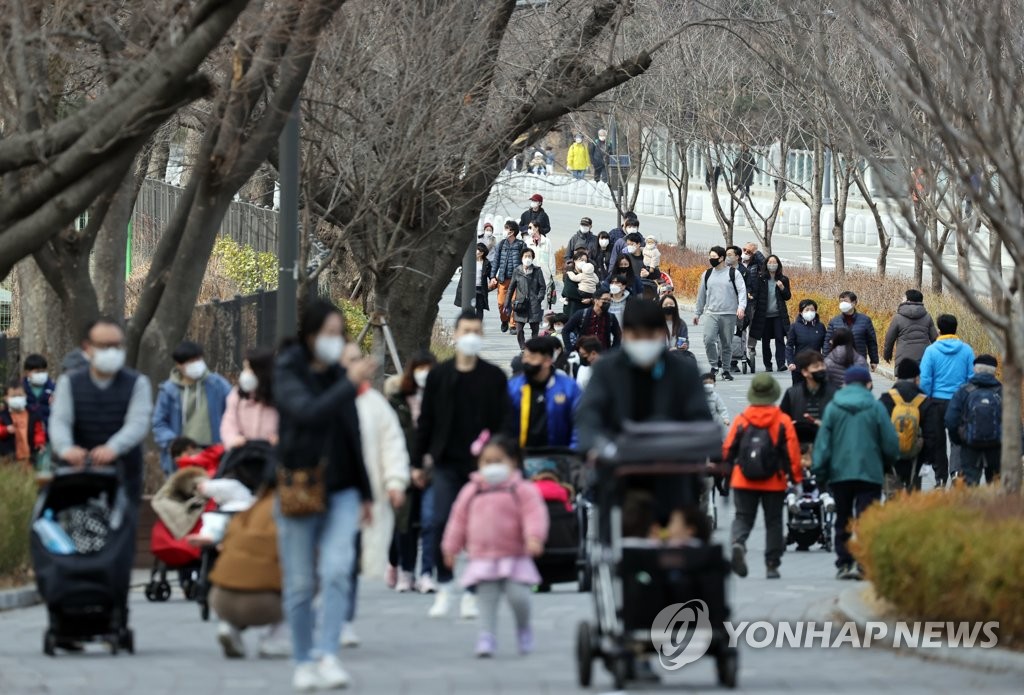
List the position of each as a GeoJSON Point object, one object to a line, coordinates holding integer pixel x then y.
{"type": "Point", "coordinates": [532, 371]}
{"type": "Point", "coordinates": [669, 310]}
{"type": "Point", "coordinates": [714, 262]}
{"type": "Point", "coordinates": [819, 377]}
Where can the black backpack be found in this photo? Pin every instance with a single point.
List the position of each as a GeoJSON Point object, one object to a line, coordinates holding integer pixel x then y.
{"type": "Point", "coordinates": [756, 455]}
{"type": "Point", "coordinates": [732, 279]}
{"type": "Point", "coordinates": [981, 425]}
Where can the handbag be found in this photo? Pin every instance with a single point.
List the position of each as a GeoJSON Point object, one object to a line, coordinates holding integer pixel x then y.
{"type": "Point", "coordinates": [301, 491]}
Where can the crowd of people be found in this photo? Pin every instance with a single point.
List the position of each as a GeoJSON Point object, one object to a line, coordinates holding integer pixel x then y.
{"type": "Point", "coordinates": [397, 484]}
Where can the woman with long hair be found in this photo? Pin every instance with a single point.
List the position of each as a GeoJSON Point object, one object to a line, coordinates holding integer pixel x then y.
{"type": "Point", "coordinates": [771, 314]}
{"type": "Point", "coordinates": [842, 356]}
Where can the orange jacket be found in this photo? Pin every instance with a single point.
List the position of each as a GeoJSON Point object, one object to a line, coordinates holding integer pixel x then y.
{"type": "Point", "coordinates": [767, 416]}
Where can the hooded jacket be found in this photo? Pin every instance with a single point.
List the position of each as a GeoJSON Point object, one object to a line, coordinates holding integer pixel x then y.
{"type": "Point", "coordinates": [911, 331]}
{"type": "Point", "coordinates": [946, 366]}
{"type": "Point", "coordinates": [857, 440]}
{"type": "Point", "coordinates": [168, 414]}
{"type": "Point", "coordinates": [769, 417]}
{"type": "Point", "coordinates": [955, 410]}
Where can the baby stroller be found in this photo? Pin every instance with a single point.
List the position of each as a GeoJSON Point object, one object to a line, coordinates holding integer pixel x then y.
{"type": "Point", "coordinates": [741, 359]}
{"type": "Point", "coordinates": [560, 561]}
{"type": "Point", "coordinates": [635, 582]}
{"type": "Point", "coordinates": [251, 464]}
{"type": "Point", "coordinates": [810, 516]}
{"type": "Point", "coordinates": [82, 547]}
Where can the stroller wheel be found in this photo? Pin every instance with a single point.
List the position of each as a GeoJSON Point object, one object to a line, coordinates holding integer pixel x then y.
{"type": "Point", "coordinates": [152, 591]}
{"type": "Point", "coordinates": [584, 654]}
{"type": "Point", "coordinates": [163, 591]}
{"type": "Point", "coordinates": [50, 643]}
{"type": "Point", "coordinates": [204, 611]}
{"type": "Point", "coordinates": [728, 669]}
{"type": "Point", "coordinates": [744, 367]}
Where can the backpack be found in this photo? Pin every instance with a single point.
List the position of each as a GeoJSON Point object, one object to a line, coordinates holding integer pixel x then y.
{"type": "Point", "coordinates": [756, 455]}
{"type": "Point", "coordinates": [981, 424]}
{"type": "Point", "coordinates": [906, 418]}
{"type": "Point", "coordinates": [732, 279]}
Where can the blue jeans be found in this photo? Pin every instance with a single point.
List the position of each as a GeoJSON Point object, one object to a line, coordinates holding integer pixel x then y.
{"type": "Point", "coordinates": [579, 174]}
{"type": "Point", "coordinates": [324, 544]}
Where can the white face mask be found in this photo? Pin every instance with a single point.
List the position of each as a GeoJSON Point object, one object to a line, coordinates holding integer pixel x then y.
{"type": "Point", "coordinates": [420, 377]}
{"type": "Point", "coordinates": [195, 370]}
{"type": "Point", "coordinates": [631, 249]}
{"type": "Point", "coordinates": [809, 315]}
{"type": "Point", "coordinates": [38, 378]}
{"type": "Point", "coordinates": [584, 230]}
{"type": "Point", "coordinates": [745, 256]}
{"type": "Point", "coordinates": [603, 243]}
{"type": "Point", "coordinates": [527, 262]}
{"type": "Point", "coordinates": [495, 473]}
{"type": "Point", "coordinates": [108, 360]}
{"type": "Point", "coordinates": [469, 344]}
{"type": "Point", "coordinates": [601, 138]}
{"type": "Point", "coordinates": [616, 289]}
{"type": "Point", "coordinates": [772, 267]}
{"type": "Point", "coordinates": [845, 307]}
{"type": "Point", "coordinates": [730, 260]}
{"type": "Point", "coordinates": [579, 140]}
{"type": "Point", "coordinates": [632, 230]}
{"type": "Point", "coordinates": [535, 205]}
{"type": "Point", "coordinates": [643, 353]}
{"type": "Point", "coordinates": [328, 348]}
{"type": "Point", "coordinates": [17, 402]}
{"type": "Point", "coordinates": [559, 327]}
{"type": "Point", "coordinates": [247, 381]}
{"type": "Point", "coordinates": [709, 388]}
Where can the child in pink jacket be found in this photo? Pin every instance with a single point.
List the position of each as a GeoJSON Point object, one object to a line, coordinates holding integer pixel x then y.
{"type": "Point", "coordinates": [502, 522]}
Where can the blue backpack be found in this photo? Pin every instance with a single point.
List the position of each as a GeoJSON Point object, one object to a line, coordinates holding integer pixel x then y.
{"type": "Point", "coordinates": [981, 425]}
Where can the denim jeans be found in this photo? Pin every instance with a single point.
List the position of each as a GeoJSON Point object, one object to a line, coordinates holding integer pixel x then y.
{"type": "Point", "coordinates": [446, 486]}
{"type": "Point", "coordinates": [419, 541]}
{"type": "Point", "coordinates": [318, 549]}
{"type": "Point", "coordinates": [578, 174]}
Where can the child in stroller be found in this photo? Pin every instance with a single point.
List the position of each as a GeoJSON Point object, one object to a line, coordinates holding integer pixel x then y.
{"type": "Point", "coordinates": [810, 515]}
{"type": "Point", "coordinates": [548, 469]}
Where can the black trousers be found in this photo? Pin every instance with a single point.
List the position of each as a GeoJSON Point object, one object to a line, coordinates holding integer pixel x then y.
{"type": "Point", "coordinates": [852, 498]}
{"type": "Point", "coordinates": [773, 330]}
{"type": "Point", "coordinates": [974, 462]}
{"type": "Point", "coordinates": [447, 483]}
{"type": "Point", "coordinates": [746, 502]}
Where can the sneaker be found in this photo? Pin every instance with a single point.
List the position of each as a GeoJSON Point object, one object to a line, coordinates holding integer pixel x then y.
{"type": "Point", "coordinates": [727, 376]}
{"type": "Point", "coordinates": [332, 675]}
{"type": "Point", "coordinates": [856, 573]}
{"type": "Point", "coordinates": [391, 576]}
{"type": "Point", "coordinates": [349, 637]}
{"type": "Point", "coordinates": [468, 609]}
{"type": "Point", "coordinates": [276, 643]}
{"type": "Point", "coordinates": [525, 640]}
{"type": "Point", "coordinates": [773, 573]}
{"type": "Point", "coordinates": [485, 645]}
{"type": "Point", "coordinates": [426, 584]}
{"type": "Point", "coordinates": [504, 326]}
{"type": "Point", "coordinates": [231, 641]}
{"type": "Point", "coordinates": [306, 678]}
{"type": "Point", "coordinates": [404, 583]}
{"type": "Point", "coordinates": [441, 601]}
{"type": "Point", "coordinates": [843, 572]}
{"type": "Point", "coordinates": [739, 560]}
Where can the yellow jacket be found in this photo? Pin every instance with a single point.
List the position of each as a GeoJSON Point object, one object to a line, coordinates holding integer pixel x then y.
{"type": "Point", "coordinates": [578, 158]}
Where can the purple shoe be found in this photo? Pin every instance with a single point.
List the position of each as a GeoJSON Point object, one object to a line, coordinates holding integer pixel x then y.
{"type": "Point", "coordinates": [485, 645]}
{"type": "Point", "coordinates": [525, 641]}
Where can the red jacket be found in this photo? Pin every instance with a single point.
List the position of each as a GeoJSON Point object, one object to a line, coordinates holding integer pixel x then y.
{"type": "Point", "coordinates": [208, 459]}
{"type": "Point", "coordinates": [553, 491]}
{"type": "Point", "coordinates": [766, 416]}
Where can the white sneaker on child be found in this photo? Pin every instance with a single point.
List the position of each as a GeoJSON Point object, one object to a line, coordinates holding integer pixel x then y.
{"type": "Point", "coordinates": [307, 677]}
{"type": "Point", "coordinates": [468, 609]}
{"type": "Point", "coordinates": [276, 643]}
{"type": "Point", "coordinates": [230, 640]}
{"type": "Point", "coordinates": [332, 675]}
{"type": "Point", "coordinates": [441, 601]}
{"type": "Point", "coordinates": [349, 637]}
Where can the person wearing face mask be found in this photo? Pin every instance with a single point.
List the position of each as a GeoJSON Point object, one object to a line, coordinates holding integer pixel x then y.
{"type": "Point", "coordinates": [535, 213]}
{"type": "Point", "coordinates": [620, 297]}
{"type": "Point", "coordinates": [543, 401]}
{"type": "Point", "coordinates": [588, 351]}
{"type": "Point", "coordinates": [102, 414]}
{"type": "Point", "coordinates": [250, 414]}
{"type": "Point", "coordinates": [678, 333]}
{"type": "Point", "coordinates": [577, 160]}
{"type": "Point", "coordinates": [630, 220]}
{"type": "Point", "coordinates": [544, 259]}
{"type": "Point", "coordinates": [487, 238]}
{"type": "Point", "coordinates": [22, 434]}
{"type": "Point", "coordinates": [319, 431]}
{"type": "Point", "coordinates": [806, 333]}
{"type": "Point", "coordinates": [483, 273]}
{"type": "Point", "coordinates": [632, 282]}
{"type": "Point", "coordinates": [722, 299]}
{"type": "Point", "coordinates": [525, 298]}
{"type": "Point", "coordinates": [805, 401]}
{"type": "Point", "coordinates": [509, 252]}
{"type": "Point", "coordinates": [189, 404]}
{"type": "Point", "coordinates": [38, 386]}
{"type": "Point", "coordinates": [463, 397]}
{"type": "Point", "coordinates": [414, 522]}
{"type": "Point", "coordinates": [583, 239]}
{"type": "Point", "coordinates": [602, 261]}
{"type": "Point", "coordinates": [734, 259]}
{"type": "Point", "coordinates": [770, 320]}
{"type": "Point", "coordinates": [594, 321]}
{"type": "Point", "coordinates": [599, 156]}
{"type": "Point", "coordinates": [630, 246]}
{"type": "Point", "coordinates": [502, 523]}
{"type": "Point", "coordinates": [865, 340]}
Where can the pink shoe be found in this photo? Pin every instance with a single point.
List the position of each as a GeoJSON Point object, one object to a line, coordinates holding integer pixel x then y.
{"type": "Point", "coordinates": [391, 576]}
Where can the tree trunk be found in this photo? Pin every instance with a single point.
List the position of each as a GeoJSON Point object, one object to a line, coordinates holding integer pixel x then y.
{"type": "Point", "coordinates": [52, 324]}
{"type": "Point", "coordinates": [817, 179]}
{"type": "Point", "coordinates": [995, 261]}
{"type": "Point", "coordinates": [841, 189]}
{"type": "Point", "coordinates": [964, 229]}
{"type": "Point", "coordinates": [883, 237]}
{"type": "Point", "coordinates": [157, 168]}
{"type": "Point", "coordinates": [110, 251]}
{"type": "Point", "coordinates": [1010, 458]}
{"type": "Point", "coordinates": [934, 242]}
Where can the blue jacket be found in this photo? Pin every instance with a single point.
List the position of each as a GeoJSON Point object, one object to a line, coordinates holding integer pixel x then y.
{"type": "Point", "coordinates": [804, 336]}
{"type": "Point", "coordinates": [39, 406]}
{"type": "Point", "coordinates": [865, 340]}
{"type": "Point", "coordinates": [946, 366]}
{"type": "Point", "coordinates": [562, 396]}
{"type": "Point", "coordinates": [167, 415]}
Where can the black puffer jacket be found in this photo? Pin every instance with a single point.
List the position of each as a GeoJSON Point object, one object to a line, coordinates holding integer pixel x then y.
{"type": "Point", "coordinates": [911, 331]}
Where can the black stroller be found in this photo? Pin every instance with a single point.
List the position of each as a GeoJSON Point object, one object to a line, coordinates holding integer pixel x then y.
{"type": "Point", "coordinates": [810, 516]}
{"type": "Point", "coordinates": [635, 581]}
{"type": "Point", "coordinates": [561, 561]}
{"type": "Point", "coordinates": [251, 464]}
{"type": "Point", "coordinates": [85, 587]}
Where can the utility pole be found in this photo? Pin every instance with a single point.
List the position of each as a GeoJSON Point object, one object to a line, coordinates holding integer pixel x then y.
{"type": "Point", "coordinates": [288, 239]}
{"type": "Point", "coordinates": [469, 278]}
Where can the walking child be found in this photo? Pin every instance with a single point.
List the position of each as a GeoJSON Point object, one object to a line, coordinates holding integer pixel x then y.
{"type": "Point", "coordinates": [502, 522]}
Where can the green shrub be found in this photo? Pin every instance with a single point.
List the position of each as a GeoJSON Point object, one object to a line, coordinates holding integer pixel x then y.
{"type": "Point", "coordinates": [355, 321]}
{"type": "Point", "coordinates": [250, 270]}
{"type": "Point", "coordinates": [17, 496]}
{"type": "Point", "coordinates": [948, 556]}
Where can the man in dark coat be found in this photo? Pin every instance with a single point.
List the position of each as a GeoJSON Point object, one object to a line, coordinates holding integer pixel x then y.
{"type": "Point", "coordinates": [535, 214]}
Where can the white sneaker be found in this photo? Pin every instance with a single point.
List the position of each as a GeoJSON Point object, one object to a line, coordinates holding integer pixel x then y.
{"type": "Point", "coordinates": [230, 640]}
{"type": "Point", "coordinates": [426, 584]}
{"type": "Point", "coordinates": [468, 609]}
{"type": "Point", "coordinates": [332, 675]}
{"type": "Point", "coordinates": [276, 643]}
{"type": "Point", "coordinates": [441, 600]}
{"type": "Point", "coordinates": [404, 583]}
{"type": "Point", "coordinates": [349, 638]}
{"type": "Point", "coordinates": [307, 677]}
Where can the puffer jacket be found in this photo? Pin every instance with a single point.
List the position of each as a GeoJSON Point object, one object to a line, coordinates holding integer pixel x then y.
{"type": "Point", "coordinates": [946, 366]}
{"type": "Point", "coordinates": [836, 367]}
{"type": "Point", "coordinates": [804, 336]}
{"type": "Point", "coordinates": [865, 341]}
{"type": "Point", "coordinates": [912, 330]}
{"type": "Point", "coordinates": [857, 440]}
{"type": "Point", "coordinates": [248, 559]}
{"type": "Point", "coordinates": [769, 417]}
